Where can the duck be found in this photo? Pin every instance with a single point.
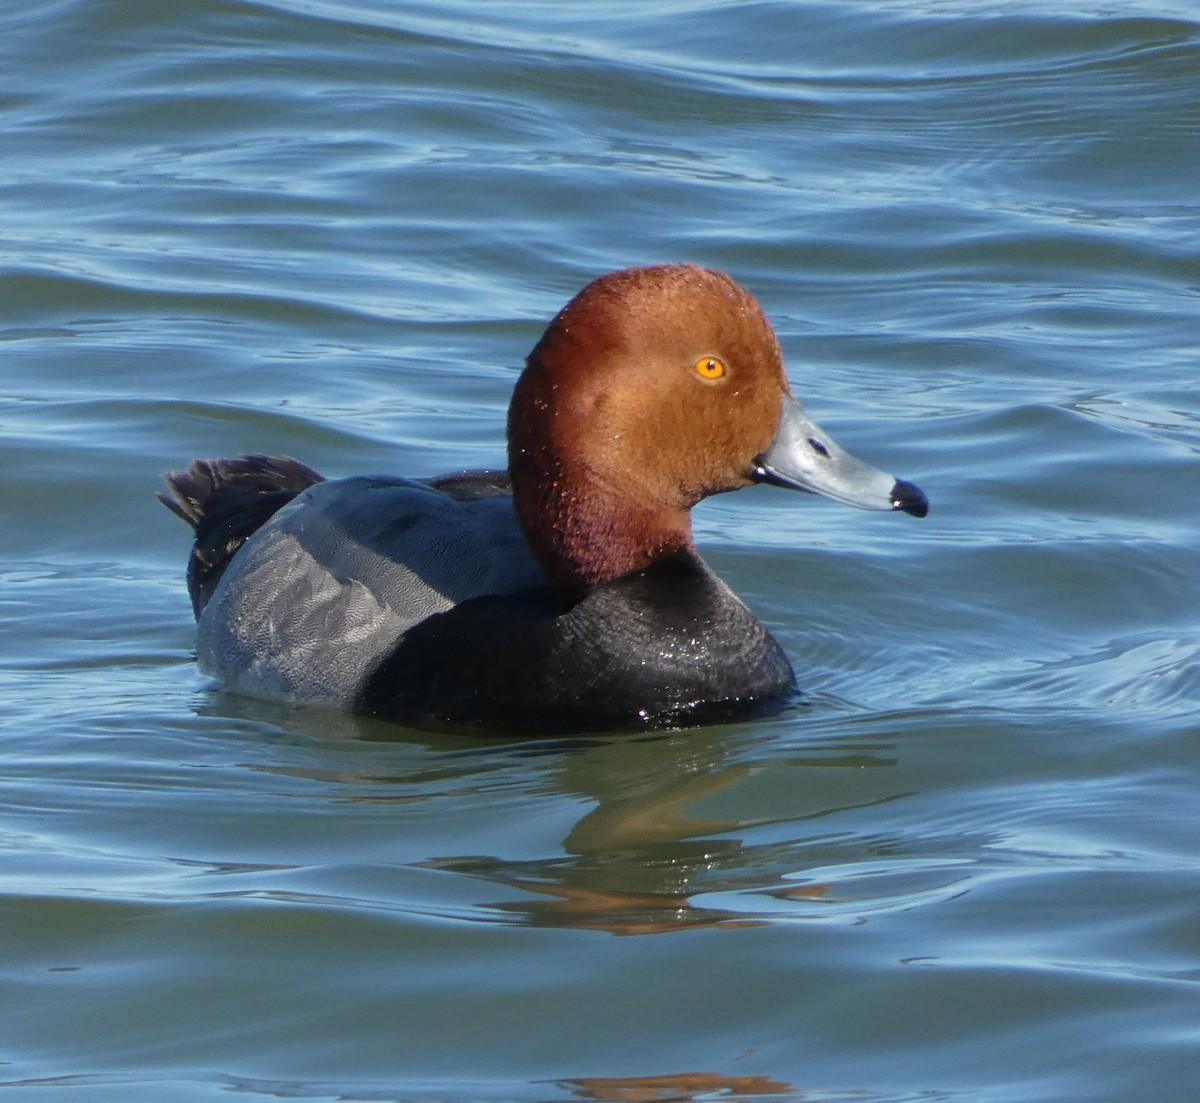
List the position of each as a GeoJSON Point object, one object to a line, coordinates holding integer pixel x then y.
{"type": "Point", "coordinates": [562, 595]}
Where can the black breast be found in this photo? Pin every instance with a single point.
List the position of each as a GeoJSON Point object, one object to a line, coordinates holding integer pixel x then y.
{"type": "Point", "coordinates": [668, 646]}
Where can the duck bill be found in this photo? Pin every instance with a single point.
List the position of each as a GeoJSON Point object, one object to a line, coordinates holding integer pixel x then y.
{"type": "Point", "coordinates": [804, 457]}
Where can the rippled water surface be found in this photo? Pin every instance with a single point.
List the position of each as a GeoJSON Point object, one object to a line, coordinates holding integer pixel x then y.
{"type": "Point", "coordinates": [965, 866]}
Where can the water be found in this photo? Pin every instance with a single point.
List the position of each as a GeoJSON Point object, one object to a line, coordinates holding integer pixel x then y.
{"type": "Point", "coordinates": [965, 867]}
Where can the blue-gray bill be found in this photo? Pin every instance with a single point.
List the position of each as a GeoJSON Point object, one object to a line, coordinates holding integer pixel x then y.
{"type": "Point", "coordinates": [804, 457]}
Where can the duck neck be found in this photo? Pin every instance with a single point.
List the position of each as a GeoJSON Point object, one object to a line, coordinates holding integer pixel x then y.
{"type": "Point", "coordinates": [584, 534]}
{"type": "Point", "coordinates": [585, 539]}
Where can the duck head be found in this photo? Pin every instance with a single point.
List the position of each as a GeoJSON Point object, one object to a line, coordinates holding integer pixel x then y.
{"type": "Point", "coordinates": [652, 389]}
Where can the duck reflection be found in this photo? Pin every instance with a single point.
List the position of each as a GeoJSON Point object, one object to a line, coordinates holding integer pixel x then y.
{"type": "Point", "coordinates": [678, 1088]}
{"type": "Point", "coordinates": [662, 844]}
{"type": "Point", "coordinates": [643, 858]}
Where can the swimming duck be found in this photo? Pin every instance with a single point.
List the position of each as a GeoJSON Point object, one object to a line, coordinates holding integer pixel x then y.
{"type": "Point", "coordinates": [565, 594]}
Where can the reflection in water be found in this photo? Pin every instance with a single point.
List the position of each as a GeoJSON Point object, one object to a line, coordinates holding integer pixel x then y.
{"type": "Point", "coordinates": [617, 913]}
{"type": "Point", "coordinates": [638, 861]}
{"type": "Point", "coordinates": [681, 1087]}
{"type": "Point", "coordinates": [643, 857]}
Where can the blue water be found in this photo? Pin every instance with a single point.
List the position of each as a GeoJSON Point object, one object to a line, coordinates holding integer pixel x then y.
{"type": "Point", "coordinates": [965, 866]}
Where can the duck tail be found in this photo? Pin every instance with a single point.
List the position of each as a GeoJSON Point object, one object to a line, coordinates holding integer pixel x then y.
{"type": "Point", "coordinates": [226, 502]}
{"type": "Point", "coordinates": [209, 485]}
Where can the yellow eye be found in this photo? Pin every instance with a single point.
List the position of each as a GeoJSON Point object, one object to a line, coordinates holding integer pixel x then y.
{"type": "Point", "coordinates": [709, 367]}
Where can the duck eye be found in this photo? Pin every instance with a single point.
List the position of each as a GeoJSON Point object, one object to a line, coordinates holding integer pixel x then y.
{"type": "Point", "coordinates": [709, 367]}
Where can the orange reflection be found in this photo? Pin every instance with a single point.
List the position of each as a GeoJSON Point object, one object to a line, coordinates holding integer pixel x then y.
{"type": "Point", "coordinates": [680, 1087]}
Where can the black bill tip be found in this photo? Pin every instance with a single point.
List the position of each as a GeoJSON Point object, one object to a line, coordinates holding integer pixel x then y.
{"type": "Point", "coordinates": [909, 498]}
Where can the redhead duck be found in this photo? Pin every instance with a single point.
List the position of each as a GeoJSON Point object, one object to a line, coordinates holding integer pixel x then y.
{"type": "Point", "coordinates": [565, 594]}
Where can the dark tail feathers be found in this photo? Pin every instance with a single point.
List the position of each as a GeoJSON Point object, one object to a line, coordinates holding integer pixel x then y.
{"type": "Point", "coordinates": [209, 484]}
{"type": "Point", "coordinates": [227, 501]}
